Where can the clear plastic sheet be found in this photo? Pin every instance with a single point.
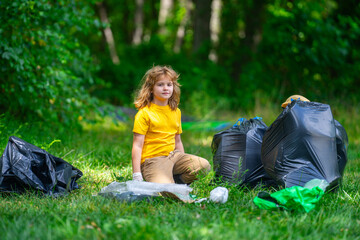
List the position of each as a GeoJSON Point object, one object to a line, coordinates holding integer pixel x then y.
{"type": "Point", "coordinates": [135, 190]}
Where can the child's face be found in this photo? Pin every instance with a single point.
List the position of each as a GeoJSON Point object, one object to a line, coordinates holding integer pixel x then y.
{"type": "Point", "coordinates": [163, 89]}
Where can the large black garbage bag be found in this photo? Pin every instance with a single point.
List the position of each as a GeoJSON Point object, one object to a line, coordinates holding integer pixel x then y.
{"type": "Point", "coordinates": [301, 145]}
{"type": "Point", "coordinates": [237, 153]}
{"type": "Point", "coordinates": [24, 166]}
{"type": "Point", "coordinates": [342, 143]}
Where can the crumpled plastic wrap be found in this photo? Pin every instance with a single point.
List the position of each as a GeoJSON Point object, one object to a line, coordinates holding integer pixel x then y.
{"type": "Point", "coordinates": [219, 195]}
{"type": "Point", "coordinates": [135, 190]}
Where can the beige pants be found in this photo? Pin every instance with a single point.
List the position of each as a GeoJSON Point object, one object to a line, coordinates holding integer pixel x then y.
{"type": "Point", "coordinates": [162, 169]}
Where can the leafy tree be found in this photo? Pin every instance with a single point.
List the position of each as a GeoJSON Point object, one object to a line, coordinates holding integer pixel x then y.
{"type": "Point", "coordinates": [307, 49]}
{"type": "Point", "coordinates": [45, 68]}
{"type": "Point", "coordinates": [269, 48]}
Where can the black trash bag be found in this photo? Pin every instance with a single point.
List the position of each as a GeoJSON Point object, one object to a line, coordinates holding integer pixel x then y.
{"type": "Point", "coordinates": [342, 143]}
{"type": "Point", "coordinates": [25, 166]}
{"type": "Point", "coordinates": [301, 145]}
{"type": "Point", "coordinates": [237, 153]}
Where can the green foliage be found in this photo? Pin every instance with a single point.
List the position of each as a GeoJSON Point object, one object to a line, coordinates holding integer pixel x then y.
{"type": "Point", "coordinates": [55, 64]}
{"type": "Point", "coordinates": [45, 68]}
{"type": "Point", "coordinates": [204, 84]}
{"type": "Point", "coordinates": [306, 49]}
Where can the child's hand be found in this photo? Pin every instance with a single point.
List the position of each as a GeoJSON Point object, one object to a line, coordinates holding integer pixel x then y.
{"type": "Point", "coordinates": [137, 176]}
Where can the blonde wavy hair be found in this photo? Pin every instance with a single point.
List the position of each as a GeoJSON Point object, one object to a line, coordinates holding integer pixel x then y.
{"type": "Point", "coordinates": [145, 96]}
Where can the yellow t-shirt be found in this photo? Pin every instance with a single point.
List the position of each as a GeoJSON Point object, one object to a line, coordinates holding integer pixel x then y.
{"type": "Point", "coordinates": [159, 124]}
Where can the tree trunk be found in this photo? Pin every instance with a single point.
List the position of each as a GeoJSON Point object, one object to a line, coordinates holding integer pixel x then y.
{"type": "Point", "coordinates": [254, 17]}
{"type": "Point", "coordinates": [215, 27]}
{"type": "Point", "coordinates": [229, 47]}
{"type": "Point", "coordinates": [109, 38]}
{"type": "Point", "coordinates": [139, 22]}
{"type": "Point", "coordinates": [180, 33]}
{"type": "Point", "coordinates": [202, 39]}
{"type": "Point", "coordinates": [237, 44]}
{"type": "Point", "coordinates": [165, 8]}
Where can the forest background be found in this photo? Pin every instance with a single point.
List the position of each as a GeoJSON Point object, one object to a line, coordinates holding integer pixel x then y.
{"type": "Point", "coordinates": [61, 60]}
{"type": "Point", "coordinates": [65, 65]}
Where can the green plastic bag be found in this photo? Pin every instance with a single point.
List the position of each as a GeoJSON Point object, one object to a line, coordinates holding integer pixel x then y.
{"type": "Point", "coordinates": [295, 198]}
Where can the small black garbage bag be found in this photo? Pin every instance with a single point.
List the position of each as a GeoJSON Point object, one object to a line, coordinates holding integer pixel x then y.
{"type": "Point", "coordinates": [24, 166]}
{"type": "Point", "coordinates": [301, 145]}
{"type": "Point", "coordinates": [237, 153]}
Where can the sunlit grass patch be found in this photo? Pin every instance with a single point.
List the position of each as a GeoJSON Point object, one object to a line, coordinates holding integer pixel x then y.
{"type": "Point", "coordinates": [103, 153]}
{"type": "Point", "coordinates": [106, 124]}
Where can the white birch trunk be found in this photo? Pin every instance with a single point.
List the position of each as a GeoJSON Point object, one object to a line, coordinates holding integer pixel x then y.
{"type": "Point", "coordinates": [109, 38]}
{"type": "Point", "coordinates": [215, 27]}
{"type": "Point", "coordinates": [165, 8]}
{"type": "Point", "coordinates": [139, 22]}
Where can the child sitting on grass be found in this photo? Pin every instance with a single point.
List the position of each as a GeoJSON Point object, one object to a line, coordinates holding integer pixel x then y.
{"type": "Point", "coordinates": [158, 153]}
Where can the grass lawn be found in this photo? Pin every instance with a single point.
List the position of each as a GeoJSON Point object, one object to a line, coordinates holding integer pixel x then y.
{"type": "Point", "coordinates": [103, 153]}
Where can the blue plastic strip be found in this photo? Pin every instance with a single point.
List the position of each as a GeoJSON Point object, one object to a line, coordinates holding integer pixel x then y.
{"type": "Point", "coordinates": [241, 120]}
{"type": "Point", "coordinates": [295, 99]}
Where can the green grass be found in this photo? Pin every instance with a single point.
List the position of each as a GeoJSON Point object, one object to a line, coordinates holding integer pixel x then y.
{"type": "Point", "coordinates": [103, 153]}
